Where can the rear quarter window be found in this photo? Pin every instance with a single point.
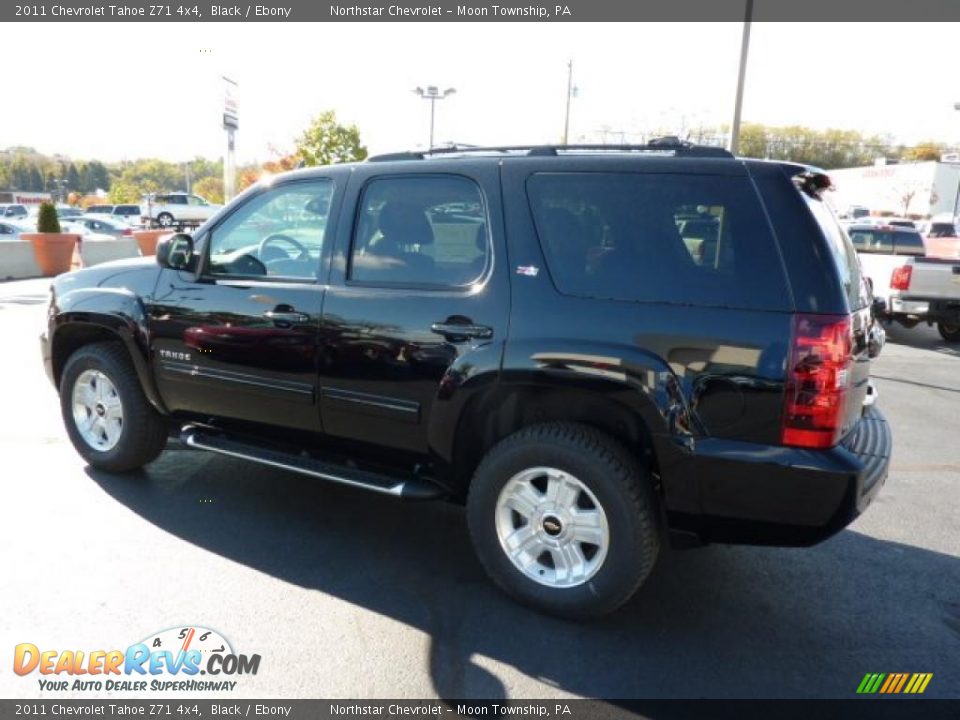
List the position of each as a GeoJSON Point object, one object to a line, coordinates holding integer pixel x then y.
{"type": "Point", "coordinates": [668, 238]}
{"type": "Point", "coordinates": [842, 250]}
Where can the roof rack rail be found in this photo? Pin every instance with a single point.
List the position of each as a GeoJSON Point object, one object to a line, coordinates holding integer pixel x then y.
{"type": "Point", "coordinates": [669, 144]}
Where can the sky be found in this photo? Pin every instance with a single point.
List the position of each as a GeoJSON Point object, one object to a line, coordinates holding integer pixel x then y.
{"type": "Point", "coordinates": [155, 90]}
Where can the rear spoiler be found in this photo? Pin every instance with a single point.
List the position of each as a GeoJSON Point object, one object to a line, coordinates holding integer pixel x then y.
{"type": "Point", "coordinates": [810, 180]}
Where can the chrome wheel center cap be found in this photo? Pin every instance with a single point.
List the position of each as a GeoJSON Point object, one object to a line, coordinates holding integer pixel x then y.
{"type": "Point", "coordinates": [552, 525]}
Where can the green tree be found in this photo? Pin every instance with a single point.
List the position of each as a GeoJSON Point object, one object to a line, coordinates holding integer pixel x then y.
{"type": "Point", "coordinates": [154, 175]}
{"type": "Point", "coordinates": [94, 177]}
{"type": "Point", "coordinates": [210, 188]}
{"type": "Point", "coordinates": [124, 192]}
{"type": "Point", "coordinates": [34, 180]}
{"type": "Point", "coordinates": [73, 178]}
{"type": "Point", "coordinates": [19, 174]}
{"type": "Point", "coordinates": [925, 151]}
{"type": "Point", "coordinates": [326, 142]}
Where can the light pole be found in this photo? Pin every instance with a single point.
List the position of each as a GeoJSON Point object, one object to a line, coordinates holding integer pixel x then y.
{"type": "Point", "coordinates": [432, 93]}
{"type": "Point", "coordinates": [956, 199]}
{"type": "Point", "coordinates": [566, 117]}
{"type": "Point", "coordinates": [741, 76]}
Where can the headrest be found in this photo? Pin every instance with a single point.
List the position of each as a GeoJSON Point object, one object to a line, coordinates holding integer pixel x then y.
{"type": "Point", "coordinates": [405, 224]}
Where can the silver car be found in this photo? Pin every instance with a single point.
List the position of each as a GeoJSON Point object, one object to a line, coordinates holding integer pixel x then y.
{"type": "Point", "coordinates": [12, 230]}
{"type": "Point", "coordinates": [103, 225]}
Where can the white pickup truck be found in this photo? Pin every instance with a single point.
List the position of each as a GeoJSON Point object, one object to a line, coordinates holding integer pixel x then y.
{"type": "Point", "coordinates": [913, 288]}
{"type": "Point", "coordinates": [176, 209]}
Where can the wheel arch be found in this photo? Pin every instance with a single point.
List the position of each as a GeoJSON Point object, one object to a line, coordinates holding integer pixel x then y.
{"type": "Point", "coordinates": [103, 315]}
{"type": "Point", "coordinates": [628, 413]}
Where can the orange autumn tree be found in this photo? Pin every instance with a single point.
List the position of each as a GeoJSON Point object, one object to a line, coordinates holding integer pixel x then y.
{"type": "Point", "coordinates": [249, 175]}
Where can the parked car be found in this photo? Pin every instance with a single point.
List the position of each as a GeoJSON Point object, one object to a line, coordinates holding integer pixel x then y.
{"type": "Point", "coordinates": [856, 212]}
{"type": "Point", "coordinates": [130, 214]}
{"type": "Point", "coordinates": [884, 221]}
{"type": "Point", "coordinates": [927, 288]}
{"type": "Point", "coordinates": [104, 225]}
{"type": "Point", "coordinates": [593, 350]}
{"type": "Point", "coordinates": [13, 211]}
{"type": "Point", "coordinates": [77, 227]}
{"type": "Point", "coordinates": [10, 230]}
{"type": "Point", "coordinates": [881, 249]}
{"type": "Point", "coordinates": [170, 209]}
{"type": "Point", "coordinates": [941, 237]}
{"type": "Point", "coordinates": [68, 212]}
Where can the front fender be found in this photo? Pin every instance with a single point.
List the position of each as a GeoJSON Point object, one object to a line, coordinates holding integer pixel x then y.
{"type": "Point", "coordinates": [87, 312]}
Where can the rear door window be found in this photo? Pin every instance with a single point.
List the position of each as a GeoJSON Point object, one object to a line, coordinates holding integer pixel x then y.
{"type": "Point", "coordinates": [420, 230]}
{"type": "Point", "coordinates": [684, 239]}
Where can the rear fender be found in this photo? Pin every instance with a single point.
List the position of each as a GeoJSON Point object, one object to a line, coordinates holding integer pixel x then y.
{"type": "Point", "coordinates": [633, 392]}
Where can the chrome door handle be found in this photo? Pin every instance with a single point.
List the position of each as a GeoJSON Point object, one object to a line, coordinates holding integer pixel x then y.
{"type": "Point", "coordinates": [287, 316]}
{"type": "Point", "coordinates": [456, 330]}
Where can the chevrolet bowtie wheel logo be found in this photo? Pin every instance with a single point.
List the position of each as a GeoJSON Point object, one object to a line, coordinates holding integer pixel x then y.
{"type": "Point", "coordinates": [894, 683]}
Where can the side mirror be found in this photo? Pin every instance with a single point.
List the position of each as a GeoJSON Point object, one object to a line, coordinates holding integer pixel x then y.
{"type": "Point", "coordinates": [176, 252]}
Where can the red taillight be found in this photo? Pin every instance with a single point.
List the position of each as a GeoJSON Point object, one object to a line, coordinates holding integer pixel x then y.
{"type": "Point", "coordinates": [818, 375]}
{"type": "Point", "coordinates": [900, 280]}
{"type": "Point", "coordinates": [127, 232]}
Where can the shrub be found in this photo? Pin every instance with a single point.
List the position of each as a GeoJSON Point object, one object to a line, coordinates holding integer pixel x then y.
{"type": "Point", "coordinates": [47, 220]}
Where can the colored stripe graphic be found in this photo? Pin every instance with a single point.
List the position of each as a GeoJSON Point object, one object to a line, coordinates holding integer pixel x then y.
{"type": "Point", "coordinates": [870, 683]}
{"type": "Point", "coordinates": [892, 679]}
{"type": "Point", "coordinates": [918, 683]}
{"type": "Point", "coordinates": [894, 683]}
{"type": "Point", "coordinates": [903, 680]}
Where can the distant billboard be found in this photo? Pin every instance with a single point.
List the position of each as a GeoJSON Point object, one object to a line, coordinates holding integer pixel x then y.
{"type": "Point", "coordinates": [231, 109]}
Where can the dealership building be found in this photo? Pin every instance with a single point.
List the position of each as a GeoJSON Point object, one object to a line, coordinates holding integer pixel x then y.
{"type": "Point", "coordinates": [921, 189]}
{"type": "Point", "coordinates": [19, 197]}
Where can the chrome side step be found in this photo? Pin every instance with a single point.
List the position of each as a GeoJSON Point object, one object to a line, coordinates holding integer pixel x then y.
{"type": "Point", "coordinates": [407, 488]}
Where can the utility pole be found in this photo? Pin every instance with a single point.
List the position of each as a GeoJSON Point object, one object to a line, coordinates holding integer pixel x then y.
{"type": "Point", "coordinates": [741, 76]}
{"type": "Point", "coordinates": [566, 117]}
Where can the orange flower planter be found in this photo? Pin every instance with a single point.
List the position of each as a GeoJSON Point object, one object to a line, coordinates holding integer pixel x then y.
{"type": "Point", "coordinates": [147, 240]}
{"type": "Point", "coordinates": [53, 251]}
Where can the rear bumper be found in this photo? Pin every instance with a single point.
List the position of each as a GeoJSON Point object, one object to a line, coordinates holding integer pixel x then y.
{"type": "Point", "coordinates": [771, 495]}
{"type": "Point", "coordinates": [898, 306]}
{"type": "Point", "coordinates": [937, 309]}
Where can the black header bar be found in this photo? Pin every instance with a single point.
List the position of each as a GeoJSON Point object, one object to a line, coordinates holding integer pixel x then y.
{"type": "Point", "coordinates": [856, 11]}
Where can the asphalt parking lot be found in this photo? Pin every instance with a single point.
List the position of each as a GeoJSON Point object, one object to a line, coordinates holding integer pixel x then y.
{"type": "Point", "coordinates": [347, 594]}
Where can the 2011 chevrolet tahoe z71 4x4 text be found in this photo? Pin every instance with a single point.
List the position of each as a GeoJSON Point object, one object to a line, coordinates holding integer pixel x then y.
{"type": "Point", "coordinates": [592, 348]}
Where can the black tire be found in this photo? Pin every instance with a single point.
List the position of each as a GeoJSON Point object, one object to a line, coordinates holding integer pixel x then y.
{"type": "Point", "coordinates": [165, 220]}
{"type": "Point", "coordinates": [143, 434]}
{"type": "Point", "coordinates": [949, 332]}
{"type": "Point", "coordinates": [619, 483]}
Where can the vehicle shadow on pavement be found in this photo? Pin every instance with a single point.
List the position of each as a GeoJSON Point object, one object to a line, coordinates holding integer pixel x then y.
{"type": "Point", "coordinates": [921, 337]}
{"type": "Point", "coordinates": [720, 621]}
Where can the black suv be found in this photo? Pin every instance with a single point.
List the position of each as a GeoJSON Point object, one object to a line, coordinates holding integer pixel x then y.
{"type": "Point", "coordinates": [592, 348]}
